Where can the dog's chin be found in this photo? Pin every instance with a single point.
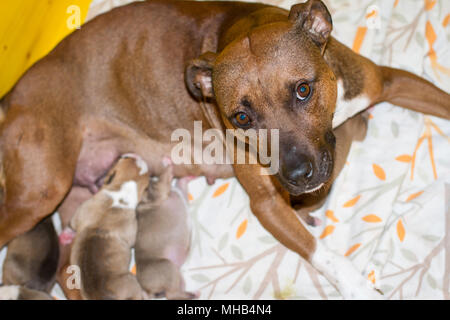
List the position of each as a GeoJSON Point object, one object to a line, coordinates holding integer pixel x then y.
{"type": "Point", "coordinates": [303, 189]}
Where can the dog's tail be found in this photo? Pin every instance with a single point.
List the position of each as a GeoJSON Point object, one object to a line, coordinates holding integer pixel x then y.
{"type": "Point", "coordinates": [407, 90]}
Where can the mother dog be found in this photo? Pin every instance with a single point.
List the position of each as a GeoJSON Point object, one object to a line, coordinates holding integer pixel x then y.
{"type": "Point", "coordinates": [130, 77]}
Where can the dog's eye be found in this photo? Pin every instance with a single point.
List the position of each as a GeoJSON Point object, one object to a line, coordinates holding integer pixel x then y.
{"type": "Point", "coordinates": [303, 91]}
{"type": "Point", "coordinates": [242, 119]}
{"type": "Point", "coordinates": [110, 178]}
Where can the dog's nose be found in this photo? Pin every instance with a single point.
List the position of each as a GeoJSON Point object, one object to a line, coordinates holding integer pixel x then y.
{"type": "Point", "coordinates": [302, 173]}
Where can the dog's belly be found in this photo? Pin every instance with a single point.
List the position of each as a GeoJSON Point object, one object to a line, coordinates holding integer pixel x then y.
{"type": "Point", "coordinates": [102, 146]}
{"type": "Point", "coordinates": [95, 159]}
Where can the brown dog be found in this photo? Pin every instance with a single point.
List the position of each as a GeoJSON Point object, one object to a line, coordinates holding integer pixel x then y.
{"type": "Point", "coordinates": [116, 86]}
{"type": "Point", "coordinates": [106, 231]}
{"type": "Point", "coordinates": [163, 238]}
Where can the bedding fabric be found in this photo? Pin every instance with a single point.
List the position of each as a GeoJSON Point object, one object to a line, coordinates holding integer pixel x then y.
{"type": "Point", "coordinates": [388, 211]}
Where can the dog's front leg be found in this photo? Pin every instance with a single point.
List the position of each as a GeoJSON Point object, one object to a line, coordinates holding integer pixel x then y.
{"type": "Point", "coordinates": [276, 215]}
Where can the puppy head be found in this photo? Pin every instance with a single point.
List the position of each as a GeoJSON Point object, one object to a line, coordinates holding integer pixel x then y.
{"type": "Point", "coordinates": [129, 167]}
{"type": "Point", "coordinates": [274, 76]}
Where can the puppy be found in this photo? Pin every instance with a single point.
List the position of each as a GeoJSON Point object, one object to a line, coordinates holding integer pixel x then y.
{"type": "Point", "coordinates": [163, 238]}
{"type": "Point", "coordinates": [106, 227]}
{"type": "Point", "coordinates": [32, 259]}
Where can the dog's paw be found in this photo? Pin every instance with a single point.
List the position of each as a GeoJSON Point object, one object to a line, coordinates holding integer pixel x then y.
{"type": "Point", "coordinates": [343, 275]}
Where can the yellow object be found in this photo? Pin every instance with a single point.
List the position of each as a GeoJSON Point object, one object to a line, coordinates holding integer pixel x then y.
{"type": "Point", "coordinates": [29, 29]}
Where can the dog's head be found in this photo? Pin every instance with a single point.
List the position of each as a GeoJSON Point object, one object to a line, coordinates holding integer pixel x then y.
{"type": "Point", "coordinates": [274, 76]}
{"type": "Point", "coordinates": [129, 167]}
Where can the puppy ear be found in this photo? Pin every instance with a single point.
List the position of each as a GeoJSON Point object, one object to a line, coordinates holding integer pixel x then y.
{"type": "Point", "coordinates": [198, 76]}
{"type": "Point", "coordinates": [314, 18]}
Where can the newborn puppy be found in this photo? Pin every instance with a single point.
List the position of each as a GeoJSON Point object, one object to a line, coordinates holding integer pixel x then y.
{"type": "Point", "coordinates": [163, 238]}
{"type": "Point", "coordinates": [106, 229]}
{"type": "Point", "coordinates": [32, 258]}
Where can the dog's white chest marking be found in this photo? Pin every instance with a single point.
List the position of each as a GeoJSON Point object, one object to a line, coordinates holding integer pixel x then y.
{"type": "Point", "coordinates": [348, 108]}
{"type": "Point", "coordinates": [9, 293]}
{"type": "Point", "coordinates": [342, 274]}
{"type": "Point", "coordinates": [126, 197]}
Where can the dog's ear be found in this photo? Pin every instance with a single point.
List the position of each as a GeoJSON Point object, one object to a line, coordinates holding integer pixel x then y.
{"type": "Point", "coordinates": [314, 18]}
{"type": "Point", "coordinates": [198, 76]}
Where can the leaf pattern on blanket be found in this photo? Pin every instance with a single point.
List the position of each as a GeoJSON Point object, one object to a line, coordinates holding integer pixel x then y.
{"type": "Point", "coordinates": [379, 172]}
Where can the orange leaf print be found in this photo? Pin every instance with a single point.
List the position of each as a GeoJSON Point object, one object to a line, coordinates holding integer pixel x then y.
{"type": "Point", "coordinates": [400, 230]}
{"type": "Point", "coordinates": [395, 3]}
{"type": "Point", "coordinates": [430, 34]}
{"type": "Point", "coordinates": [431, 38]}
{"type": "Point", "coordinates": [352, 249]}
{"type": "Point", "coordinates": [379, 172]}
{"type": "Point", "coordinates": [446, 20]}
{"type": "Point", "coordinates": [371, 276]}
{"type": "Point", "coordinates": [372, 218]}
{"type": "Point", "coordinates": [352, 202]}
{"type": "Point", "coordinates": [414, 195]}
{"type": "Point", "coordinates": [372, 13]}
{"type": "Point", "coordinates": [404, 158]}
{"type": "Point", "coordinates": [359, 38]}
{"type": "Point", "coordinates": [330, 215]}
{"type": "Point", "coordinates": [190, 197]}
{"type": "Point", "coordinates": [221, 190]}
{"type": "Point", "coordinates": [327, 231]}
{"type": "Point", "coordinates": [133, 269]}
{"type": "Point", "coordinates": [429, 4]}
{"type": "Point", "coordinates": [241, 229]}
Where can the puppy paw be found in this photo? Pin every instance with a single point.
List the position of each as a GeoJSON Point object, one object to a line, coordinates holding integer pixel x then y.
{"type": "Point", "coordinates": [66, 237]}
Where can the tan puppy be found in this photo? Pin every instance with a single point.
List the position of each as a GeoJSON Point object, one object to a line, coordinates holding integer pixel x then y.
{"type": "Point", "coordinates": [163, 238]}
{"type": "Point", "coordinates": [106, 231]}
